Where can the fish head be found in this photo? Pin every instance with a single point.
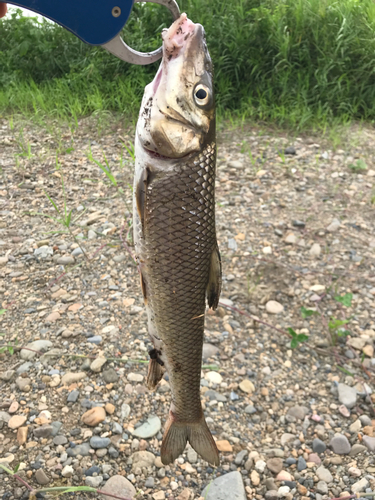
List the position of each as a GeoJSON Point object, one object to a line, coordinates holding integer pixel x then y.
{"type": "Point", "coordinates": [177, 112]}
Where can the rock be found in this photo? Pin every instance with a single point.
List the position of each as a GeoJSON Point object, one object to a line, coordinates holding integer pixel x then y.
{"type": "Point", "coordinates": [283, 491]}
{"type": "Point", "coordinates": [255, 478]}
{"type": "Point", "coordinates": [322, 488]}
{"type": "Point", "coordinates": [8, 459]}
{"type": "Point", "coordinates": [340, 444]}
{"type": "Point", "coordinates": [22, 435]}
{"type": "Point", "coordinates": [347, 395]}
{"type": "Point", "coordinates": [159, 495]}
{"type": "Point", "coordinates": [16, 421]}
{"type": "Point", "coordinates": [72, 396]}
{"type": "Point", "coordinates": [218, 489]}
{"type": "Point", "coordinates": [283, 475]}
{"type": "Point", "coordinates": [94, 482]}
{"type": "Point", "coordinates": [240, 457]}
{"type": "Point", "coordinates": [41, 477]}
{"type": "Point", "coordinates": [318, 446]}
{"type": "Point", "coordinates": [356, 449]}
{"type": "Point", "coordinates": [369, 442]}
{"type": "Point", "coordinates": [143, 459]}
{"type": "Point", "coordinates": [94, 416]}
{"type": "Point", "coordinates": [65, 260]}
{"type": "Point", "coordinates": [365, 420]}
{"type": "Point", "coordinates": [43, 252]}
{"type": "Point", "coordinates": [287, 438]}
{"type": "Point", "coordinates": [125, 411]}
{"type": "Point", "coordinates": [97, 442]}
{"type": "Point", "coordinates": [291, 239]}
{"type": "Point", "coordinates": [360, 485]}
{"type": "Point", "coordinates": [110, 408]}
{"type": "Point", "coordinates": [344, 411]}
{"type": "Point", "coordinates": [70, 377]}
{"type": "Point", "coordinates": [38, 345]}
{"type": "Point", "coordinates": [260, 466]}
{"type": "Point", "coordinates": [290, 150]}
{"type": "Point", "coordinates": [301, 464]}
{"type": "Point", "coordinates": [298, 412]}
{"type": "Point", "coordinates": [353, 471]}
{"type": "Point", "coordinates": [44, 431]}
{"type": "Point", "coordinates": [355, 426]}
{"type": "Point", "coordinates": [119, 486]}
{"type": "Point", "coordinates": [192, 456]}
{"type": "Point", "coordinates": [56, 426]}
{"type": "Point", "coordinates": [7, 375]}
{"type": "Point", "coordinates": [81, 449]}
{"type": "Point", "coordinates": [135, 377]}
{"type": "Point", "coordinates": [247, 386]}
{"type": "Point", "coordinates": [97, 364]}
{"type": "Point", "coordinates": [214, 377]}
{"type": "Point", "coordinates": [368, 350]}
{"type": "Point", "coordinates": [314, 458]}
{"type": "Point", "coordinates": [209, 350]}
{"type": "Point", "coordinates": [324, 474]}
{"type": "Point", "coordinates": [13, 407]}
{"type": "Point", "coordinates": [335, 224]}
{"type": "Point", "coordinates": [60, 440]}
{"type": "Point", "coordinates": [224, 446]}
{"type": "Point", "coordinates": [149, 429]}
{"type": "Point", "coordinates": [275, 465]}
{"type": "Point", "coordinates": [110, 376]}
{"type": "Point", "coordinates": [274, 307]}
{"type": "Point", "coordinates": [23, 384]}
{"type": "Point", "coordinates": [357, 342]}
{"type": "Point", "coordinates": [271, 495]}
{"type": "Point", "coordinates": [315, 250]}
{"type": "Point", "coordinates": [67, 471]}
{"type": "Point", "coordinates": [4, 417]}
{"type": "Point", "coordinates": [96, 339]}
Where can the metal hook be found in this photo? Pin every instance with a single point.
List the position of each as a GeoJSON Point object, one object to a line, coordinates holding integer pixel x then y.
{"type": "Point", "coordinates": [118, 47]}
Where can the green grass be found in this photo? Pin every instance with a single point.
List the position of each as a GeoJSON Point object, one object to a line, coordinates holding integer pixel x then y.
{"type": "Point", "coordinates": [293, 62]}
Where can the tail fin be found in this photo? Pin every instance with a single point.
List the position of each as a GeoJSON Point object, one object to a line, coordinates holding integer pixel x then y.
{"type": "Point", "coordinates": [177, 434]}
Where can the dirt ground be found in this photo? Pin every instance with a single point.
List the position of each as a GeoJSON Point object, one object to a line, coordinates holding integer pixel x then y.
{"type": "Point", "coordinates": [295, 224]}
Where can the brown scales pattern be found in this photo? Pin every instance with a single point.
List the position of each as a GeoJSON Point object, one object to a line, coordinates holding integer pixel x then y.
{"type": "Point", "coordinates": [179, 238]}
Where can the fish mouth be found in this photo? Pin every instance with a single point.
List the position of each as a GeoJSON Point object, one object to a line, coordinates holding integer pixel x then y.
{"type": "Point", "coordinates": [158, 156]}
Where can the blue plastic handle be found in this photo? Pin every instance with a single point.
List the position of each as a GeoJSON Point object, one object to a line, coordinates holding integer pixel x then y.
{"type": "Point", "coordinates": [94, 21]}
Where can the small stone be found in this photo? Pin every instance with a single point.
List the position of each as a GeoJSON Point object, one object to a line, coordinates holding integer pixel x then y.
{"type": "Point", "coordinates": [271, 495]}
{"type": "Point", "coordinates": [22, 435]}
{"type": "Point", "coordinates": [240, 457]}
{"type": "Point", "coordinates": [94, 416]}
{"type": "Point", "coordinates": [96, 339]}
{"type": "Point", "coordinates": [110, 408]}
{"type": "Point", "coordinates": [142, 459]}
{"type": "Point", "coordinates": [218, 489]}
{"type": "Point", "coordinates": [209, 350]}
{"type": "Point", "coordinates": [13, 407]}
{"type": "Point", "coordinates": [41, 477]}
{"type": "Point", "coordinates": [44, 431]}
{"type": "Point", "coordinates": [224, 446]}
{"type": "Point", "coordinates": [260, 466]}
{"type": "Point", "coordinates": [255, 478]}
{"type": "Point", "coordinates": [274, 307]}
{"type": "Point", "coordinates": [37, 345]}
{"type": "Point", "coordinates": [324, 474]}
{"type": "Point", "coordinates": [159, 495]}
{"type": "Point", "coordinates": [291, 239]}
{"type": "Point", "coordinates": [135, 377]}
{"type": "Point", "coordinates": [149, 429]}
{"type": "Point", "coordinates": [283, 491]}
{"type": "Point", "coordinates": [65, 260]}
{"type": "Point", "coordinates": [355, 427]}
{"type": "Point", "coordinates": [360, 485]}
{"type": "Point", "coordinates": [283, 476]}
{"type": "Point", "coordinates": [298, 412]}
{"type": "Point", "coordinates": [4, 417]}
{"type": "Point", "coordinates": [353, 471]}
{"type": "Point", "coordinates": [192, 456]}
{"type": "Point", "coordinates": [347, 395]}
{"type": "Point", "coordinates": [368, 350]}
{"type": "Point", "coordinates": [16, 421]}
{"type": "Point", "coordinates": [97, 442]}
{"type": "Point", "coordinates": [287, 438]}
{"type": "Point", "coordinates": [301, 464]}
{"type": "Point", "coordinates": [150, 482]}
{"type": "Point", "coordinates": [365, 420]}
{"type": "Point", "coordinates": [290, 150]}
{"type": "Point", "coordinates": [318, 446]}
{"type": "Point", "coordinates": [97, 364]}
{"type": "Point", "coordinates": [213, 377]}
{"type": "Point", "coordinates": [60, 440]}
{"type": "Point", "coordinates": [315, 250]}
{"type": "Point", "coordinates": [82, 449]}
{"type": "Point", "coordinates": [356, 449]}
{"type": "Point", "coordinates": [71, 378]}
{"type": "Point", "coordinates": [322, 488]}
{"type": "Point", "coordinates": [334, 226]}
{"type": "Point", "coordinates": [314, 458]}
{"type": "Point", "coordinates": [247, 386]}
{"type": "Point", "coordinates": [340, 444]}
{"type": "Point", "coordinates": [369, 442]}
{"type": "Point", "coordinates": [23, 384]}
{"type": "Point", "coordinates": [344, 411]}
{"type": "Point", "coordinates": [275, 465]}
{"type": "Point", "coordinates": [94, 482]}
{"type": "Point", "coordinates": [73, 396]}
{"type": "Point", "coordinates": [110, 376]}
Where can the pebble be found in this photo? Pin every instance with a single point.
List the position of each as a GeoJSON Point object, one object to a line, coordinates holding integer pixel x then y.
{"type": "Point", "coordinates": [209, 351]}
{"type": "Point", "coordinates": [214, 377]}
{"type": "Point", "coordinates": [96, 339]}
{"type": "Point", "coordinates": [247, 386]}
{"type": "Point", "coordinates": [355, 427]}
{"type": "Point", "coordinates": [283, 491]}
{"type": "Point", "coordinates": [369, 442]}
{"type": "Point", "coordinates": [110, 376]}
{"type": "Point", "coordinates": [315, 250]}
{"type": "Point", "coordinates": [94, 482]}
{"type": "Point", "coordinates": [37, 345]}
{"type": "Point", "coordinates": [275, 465]}
{"type": "Point", "coordinates": [4, 417]}
{"type": "Point", "coordinates": [99, 442]}
{"type": "Point", "coordinates": [135, 377]}
{"type": "Point", "coordinates": [119, 486]}
{"type": "Point", "coordinates": [73, 396]}
{"type": "Point", "coordinates": [255, 478]}
{"type": "Point", "coordinates": [71, 378]}
{"type": "Point", "coordinates": [81, 449]}
{"type": "Point", "coordinates": [301, 464]}
{"type": "Point", "coordinates": [60, 440]}
{"type": "Point", "coordinates": [322, 488]}
{"type": "Point", "coordinates": [41, 477]}
{"type": "Point", "coordinates": [347, 395]}
{"type": "Point", "coordinates": [143, 459]}
{"type": "Point", "coordinates": [22, 435]}
{"type": "Point", "coordinates": [218, 489]}
{"type": "Point", "coordinates": [318, 446]}
{"type": "Point", "coordinates": [340, 444]}
{"type": "Point", "coordinates": [333, 226]}
{"type": "Point", "coordinates": [16, 421]}
{"type": "Point", "coordinates": [274, 307]}
{"type": "Point", "coordinates": [360, 485]}
{"type": "Point", "coordinates": [324, 474]}
{"type": "Point", "coordinates": [224, 446]}
{"type": "Point", "coordinates": [44, 431]}
{"type": "Point", "coordinates": [65, 260]}
{"type": "Point", "coordinates": [23, 384]}
{"type": "Point", "coordinates": [97, 364]}
{"type": "Point", "coordinates": [356, 449]}
{"type": "Point", "coordinates": [94, 416]}
{"type": "Point", "coordinates": [149, 429]}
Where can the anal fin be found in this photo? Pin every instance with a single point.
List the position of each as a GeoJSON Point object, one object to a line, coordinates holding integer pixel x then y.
{"type": "Point", "coordinates": [214, 280]}
{"type": "Point", "coordinates": [155, 370]}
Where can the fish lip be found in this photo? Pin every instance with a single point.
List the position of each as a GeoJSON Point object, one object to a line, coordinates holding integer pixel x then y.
{"type": "Point", "coordinates": [155, 154]}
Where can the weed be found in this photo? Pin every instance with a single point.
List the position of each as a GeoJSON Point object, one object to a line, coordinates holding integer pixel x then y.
{"type": "Point", "coordinates": [358, 166]}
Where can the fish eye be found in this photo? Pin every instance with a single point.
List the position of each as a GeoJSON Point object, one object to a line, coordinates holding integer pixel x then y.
{"type": "Point", "coordinates": [201, 95]}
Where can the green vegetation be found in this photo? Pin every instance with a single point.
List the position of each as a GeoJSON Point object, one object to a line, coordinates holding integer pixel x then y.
{"type": "Point", "coordinates": [296, 62]}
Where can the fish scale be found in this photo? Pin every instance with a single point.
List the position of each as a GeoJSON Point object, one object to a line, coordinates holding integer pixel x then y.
{"type": "Point", "coordinates": [177, 271]}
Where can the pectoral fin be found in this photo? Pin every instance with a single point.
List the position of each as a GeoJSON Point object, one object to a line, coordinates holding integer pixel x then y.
{"type": "Point", "coordinates": [214, 280]}
{"type": "Point", "coordinates": [140, 195]}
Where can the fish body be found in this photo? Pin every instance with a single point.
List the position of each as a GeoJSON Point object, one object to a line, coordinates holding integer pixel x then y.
{"type": "Point", "coordinates": [174, 228]}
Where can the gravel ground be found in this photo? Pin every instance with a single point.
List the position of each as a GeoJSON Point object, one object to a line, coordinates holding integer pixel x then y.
{"type": "Point", "coordinates": [295, 228]}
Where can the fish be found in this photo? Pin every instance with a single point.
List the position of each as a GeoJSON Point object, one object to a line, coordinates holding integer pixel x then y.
{"type": "Point", "coordinates": [176, 249]}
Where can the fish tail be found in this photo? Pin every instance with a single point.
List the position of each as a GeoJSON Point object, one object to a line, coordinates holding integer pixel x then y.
{"type": "Point", "coordinates": [154, 375]}
{"type": "Point", "coordinates": [177, 434]}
